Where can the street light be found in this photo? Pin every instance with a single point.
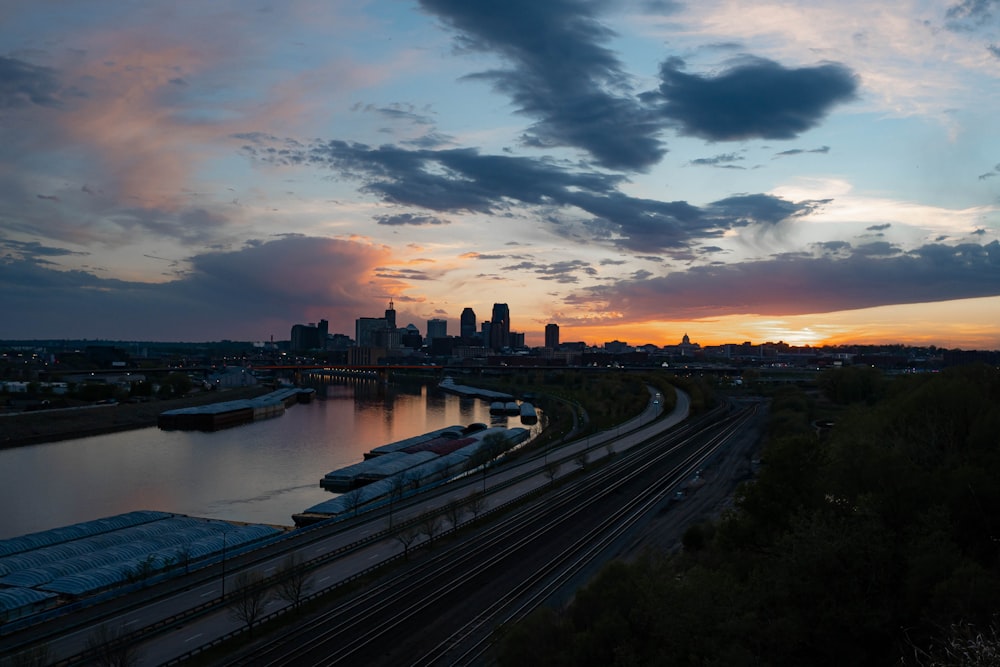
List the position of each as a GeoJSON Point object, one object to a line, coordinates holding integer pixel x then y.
{"type": "Point", "coordinates": [224, 532]}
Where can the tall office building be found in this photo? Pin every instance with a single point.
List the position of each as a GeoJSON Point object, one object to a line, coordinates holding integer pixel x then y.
{"type": "Point", "coordinates": [436, 328]}
{"type": "Point", "coordinates": [484, 333]}
{"type": "Point", "coordinates": [552, 336]}
{"type": "Point", "coordinates": [366, 329]}
{"type": "Point", "coordinates": [305, 337]}
{"type": "Point", "coordinates": [500, 327]}
{"type": "Point", "coordinates": [390, 316]}
{"type": "Point", "coordinates": [467, 328]}
{"type": "Point", "coordinates": [323, 333]}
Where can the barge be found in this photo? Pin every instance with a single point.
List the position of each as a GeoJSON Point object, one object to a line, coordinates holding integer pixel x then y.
{"type": "Point", "coordinates": [226, 414]}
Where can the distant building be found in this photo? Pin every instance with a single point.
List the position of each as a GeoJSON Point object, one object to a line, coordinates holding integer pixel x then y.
{"type": "Point", "coordinates": [552, 336]}
{"type": "Point", "coordinates": [485, 330]}
{"type": "Point", "coordinates": [308, 337]}
{"type": "Point", "coordinates": [365, 329]}
{"type": "Point", "coordinates": [467, 325]}
{"type": "Point", "coordinates": [500, 327]}
{"type": "Point", "coordinates": [390, 339]}
{"type": "Point", "coordinates": [339, 342]}
{"type": "Point", "coordinates": [616, 347]}
{"type": "Point", "coordinates": [411, 337]}
{"type": "Point", "coordinates": [366, 356]}
{"type": "Point", "coordinates": [390, 316]}
{"type": "Point", "coordinates": [687, 348]}
{"type": "Point", "coordinates": [436, 328]}
{"type": "Point", "coordinates": [233, 376]}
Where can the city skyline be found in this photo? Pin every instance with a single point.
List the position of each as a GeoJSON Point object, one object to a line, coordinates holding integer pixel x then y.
{"type": "Point", "coordinates": [633, 170]}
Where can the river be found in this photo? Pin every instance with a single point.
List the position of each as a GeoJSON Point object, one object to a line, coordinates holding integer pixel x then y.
{"type": "Point", "coordinates": [258, 473]}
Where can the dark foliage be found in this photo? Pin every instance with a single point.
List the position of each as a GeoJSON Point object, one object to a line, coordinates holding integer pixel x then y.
{"type": "Point", "coordinates": [854, 549]}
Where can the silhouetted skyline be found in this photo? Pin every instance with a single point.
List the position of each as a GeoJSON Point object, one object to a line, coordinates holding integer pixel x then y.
{"type": "Point", "coordinates": [813, 173]}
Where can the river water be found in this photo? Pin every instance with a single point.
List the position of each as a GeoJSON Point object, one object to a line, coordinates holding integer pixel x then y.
{"type": "Point", "coordinates": [259, 473]}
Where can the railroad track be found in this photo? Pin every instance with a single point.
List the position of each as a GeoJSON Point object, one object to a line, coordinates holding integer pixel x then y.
{"type": "Point", "coordinates": [360, 628]}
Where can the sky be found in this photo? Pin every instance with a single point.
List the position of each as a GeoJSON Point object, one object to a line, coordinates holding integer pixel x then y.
{"type": "Point", "coordinates": [634, 170]}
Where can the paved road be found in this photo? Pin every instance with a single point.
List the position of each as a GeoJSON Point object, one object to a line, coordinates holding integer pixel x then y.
{"type": "Point", "coordinates": [501, 485]}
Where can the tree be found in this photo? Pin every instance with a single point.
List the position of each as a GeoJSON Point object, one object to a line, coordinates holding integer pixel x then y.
{"type": "Point", "coordinates": [430, 524]}
{"type": "Point", "coordinates": [142, 570]}
{"type": "Point", "coordinates": [141, 388]}
{"type": "Point", "coordinates": [249, 598]}
{"type": "Point", "coordinates": [183, 557]}
{"type": "Point", "coordinates": [476, 503]}
{"type": "Point", "coordinates": [397, 485]}
{"type": "Point", "coordinates": [94, 391]}
{"type": "Point", "coordinates": [454, 511]}
{"type": "Point", "coordinates": [175, 384]}
{"type": "Point", "coordinates": [490, 448]}
{"type": "Point", "coordinates": [495, 444]}
{"type": "Point", "coordinates": [412, 479]}
{"type": "Point", "coordinates": [964, 644]}
{"type": "Point", "coordinates": [552, 470]}
{"type": "Point", "coordinates": [108, 647]}
{"type": "Point", "coordinates": [353, 499]}
{"type": "Point", "coordinates": [294, 580]}
{"type": "Point", "coordinates": [406, 536]}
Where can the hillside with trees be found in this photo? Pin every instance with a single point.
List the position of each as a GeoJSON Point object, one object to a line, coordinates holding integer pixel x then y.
{"type": "Point", "coordinates": [873, 541]}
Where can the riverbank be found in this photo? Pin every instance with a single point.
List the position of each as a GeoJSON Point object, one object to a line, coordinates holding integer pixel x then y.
{"type": "Point", "coordinates": [41, 426]}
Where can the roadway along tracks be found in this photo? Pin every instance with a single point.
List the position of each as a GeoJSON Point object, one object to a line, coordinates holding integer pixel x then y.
{"type": "Point", "coordinates": [445, 609]}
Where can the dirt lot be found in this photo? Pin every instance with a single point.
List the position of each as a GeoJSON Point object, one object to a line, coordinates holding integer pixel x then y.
{"type": "Point", "coordinates": [30, 428]}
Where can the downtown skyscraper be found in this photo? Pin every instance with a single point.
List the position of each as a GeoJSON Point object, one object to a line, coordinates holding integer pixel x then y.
{"type": "Point", "coordinates": [500, 327]}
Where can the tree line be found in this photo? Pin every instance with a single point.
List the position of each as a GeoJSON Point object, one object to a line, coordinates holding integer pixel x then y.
{"type": "Point", "coordinates": [870, 536]}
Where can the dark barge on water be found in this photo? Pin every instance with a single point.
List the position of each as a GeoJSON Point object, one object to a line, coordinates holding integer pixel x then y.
{"type": "Point", "coordinates": [216, 416]}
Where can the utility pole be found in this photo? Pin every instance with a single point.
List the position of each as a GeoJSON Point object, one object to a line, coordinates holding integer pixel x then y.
{"type": "Point", "coordinates": [224, 564]}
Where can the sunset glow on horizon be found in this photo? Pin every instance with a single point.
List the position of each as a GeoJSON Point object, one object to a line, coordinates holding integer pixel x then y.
{"type": "Point", "coordinates": [634, 170]}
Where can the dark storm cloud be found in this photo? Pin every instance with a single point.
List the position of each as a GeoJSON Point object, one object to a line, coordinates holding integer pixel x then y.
{"type": "Point", "coordinates": [396, 112]}
{"type": "Point", "coordinates": [561, 272]}
{"type": "Point", "coordinates": [879, 228]}
{"type": "Point", "coordinates": [990, 174]}
{"type": "Point", "coordinates": [402, 274]}
{"type": "Point", "coordinates": [800, 151]}
{"type": "Point", "coordinates": [409, 219]}
{"type": "Point", "coordinates": [33, 250]}
{"type": "Point", "coordinates": [479, 255]}
{"type": "Point", "coordinates": [561, 75]}
{"type": "Point", "coordinates": [743, 210]}
{"type": "Point", "coordinates": [23, 84]}
{"type": "Point", "coordinates": [833, 247]}
{"type": "Point", "coordinates": [457, 180]}
{"type": "Point", "coordinates": [429, 140]}
{"type": "Point", "coordinates": [754, 98]}
{"type": "Point", "coordinates": [842, 278]}
{"type": "Point", "coordinates": [722, 160]}
{"type": "Point", "coordinates": [221, 295]}
{"type": "Point", "coordinates": [877, 249]}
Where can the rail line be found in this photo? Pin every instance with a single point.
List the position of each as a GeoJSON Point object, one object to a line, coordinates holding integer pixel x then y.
{"type": "Point", "coordinates": [353, 626]}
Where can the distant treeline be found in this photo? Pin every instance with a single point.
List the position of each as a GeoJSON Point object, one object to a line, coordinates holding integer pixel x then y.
{"type": "Point", "coordinates": [871, 536]}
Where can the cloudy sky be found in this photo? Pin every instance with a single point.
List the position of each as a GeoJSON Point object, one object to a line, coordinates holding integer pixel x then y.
{"type": "Point", "coordinates": [633, 170]}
